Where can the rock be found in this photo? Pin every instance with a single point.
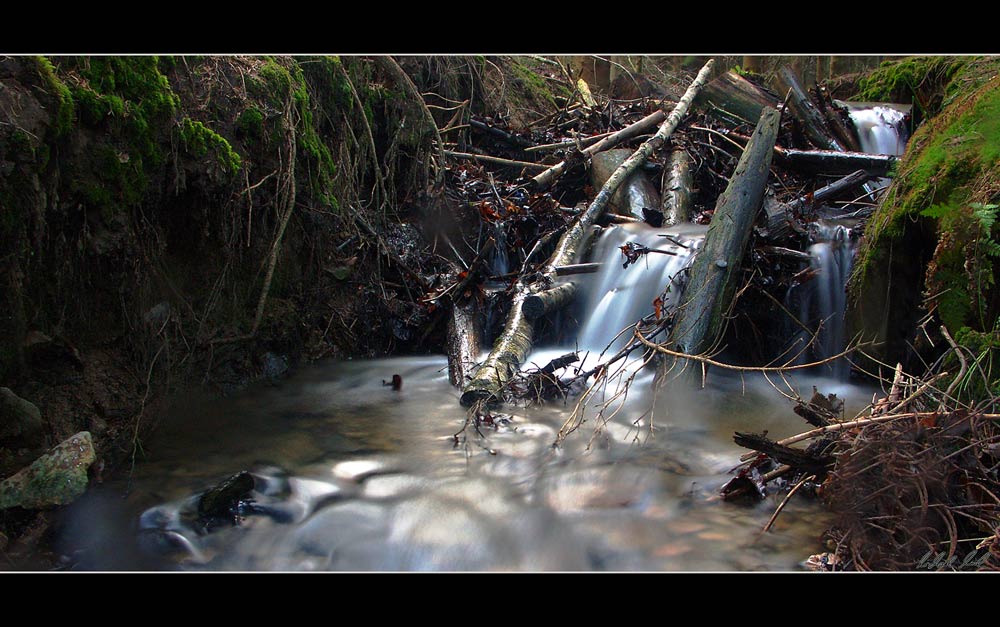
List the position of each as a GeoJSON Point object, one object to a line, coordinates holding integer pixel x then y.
{"type": "Point", "coordinates": [20, 421]}
{"type": "Point", "coordinates": [275, 366]}
{"type": "Point", "coordinates": [56, 478]}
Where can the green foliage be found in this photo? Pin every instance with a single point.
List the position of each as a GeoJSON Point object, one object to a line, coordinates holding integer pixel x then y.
{"type": "Point", "coordinates": [198, 140]}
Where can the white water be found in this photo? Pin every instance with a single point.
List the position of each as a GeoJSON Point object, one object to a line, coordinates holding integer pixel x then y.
{"type": "Point", "coordinates": [880, 129]}
{"type": "Point", "coordinates": [618, 297]}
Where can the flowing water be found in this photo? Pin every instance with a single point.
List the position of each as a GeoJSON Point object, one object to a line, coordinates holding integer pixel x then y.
{"type": "Point", "coordinates": [350, 474]}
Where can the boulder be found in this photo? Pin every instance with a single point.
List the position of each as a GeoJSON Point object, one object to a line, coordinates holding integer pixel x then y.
{"type": "Point", "coordinates": [56, 478]}
{"type": "Point", "coordinates": [20, 421]}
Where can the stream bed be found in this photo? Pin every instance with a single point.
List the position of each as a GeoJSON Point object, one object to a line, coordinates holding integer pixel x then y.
{"type": "Point", "coordinates": [352, 475]}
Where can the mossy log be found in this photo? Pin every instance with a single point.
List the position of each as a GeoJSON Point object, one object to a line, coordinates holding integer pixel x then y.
{"type": "Point", "coordinates": [806, 112]}
{"type": "Point", "coordinates": [735, 95]}
{"type": "Point", "coordinates": [512, 347]}
{"type": "Point", "coordinates": [675, 189]}
{"type": "Point", "coordinates": [714, 272]}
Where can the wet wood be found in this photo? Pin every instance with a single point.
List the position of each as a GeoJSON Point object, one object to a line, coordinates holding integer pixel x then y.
{"type": "Point", "coordinates": [675, 189]}
{"type": "Point", "coordinates": [796, 458]}
{"type": "Point", "coordinates": [577, 268]}
{"type": "Point", "coordinates": [805, 111]}
{"type": "Point", "coordinates": [834, 162]}
{"type": "Point", "coordinates": [463, 341]}
{"type": "Point", "coordinates": [545, 302]}
{"type": "Point", "coordinates": [837, 120]}
{"type": "Point", "coordinates": [634, 194]}
{"type": "Point", "coordinates": [714, 273]}
{"type": "Point", "coordinates": [735, 95]}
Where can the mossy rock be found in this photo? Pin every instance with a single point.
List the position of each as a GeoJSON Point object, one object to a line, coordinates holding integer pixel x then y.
{"type": "Point", "coordinates": [56, 478]}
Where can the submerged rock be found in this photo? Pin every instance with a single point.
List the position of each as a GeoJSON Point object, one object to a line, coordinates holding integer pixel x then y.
{"type": "Point", "coordinates": [20, 421]}
{"type": "Point", "coordinates": [56, 478]}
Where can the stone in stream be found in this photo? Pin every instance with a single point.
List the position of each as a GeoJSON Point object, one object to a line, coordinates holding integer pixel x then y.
{"type": "Point", "coordinates": [223, 501]}
{"type": "Point", "coordinates": [56, 478]}
{"type": "Point", "coordinates": [20, 421]}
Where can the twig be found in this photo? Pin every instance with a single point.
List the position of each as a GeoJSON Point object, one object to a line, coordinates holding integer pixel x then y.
{"type": "Point", "coordinates": [496, 160]}
{"type": "Point", "coordinates": [783, 502]}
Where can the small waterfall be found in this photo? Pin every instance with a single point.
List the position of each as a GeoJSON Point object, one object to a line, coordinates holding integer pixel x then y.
{"type": "Point", "coordinates": [618, 297]}
{"type": "Point", "coordinates": [822, 299]}
{"type": "Point", "coordinates": [881, 129]}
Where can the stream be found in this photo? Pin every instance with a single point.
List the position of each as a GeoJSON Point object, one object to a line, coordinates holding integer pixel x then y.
{"type": "Point", "coordinates": [351, 474]}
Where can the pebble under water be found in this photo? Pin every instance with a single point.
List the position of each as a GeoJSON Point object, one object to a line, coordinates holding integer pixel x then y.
{"type": "Point", "coordinates": [352, 475]}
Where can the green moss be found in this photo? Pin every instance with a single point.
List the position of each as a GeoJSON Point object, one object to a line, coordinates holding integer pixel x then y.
{"type": "Point", "coordinates": [198, 140]}
{"type": "Point", "coordinates": [922, 79]}
{"type": "Point", "coordinates": [535, 85]}
{"type": "Point", "coordinates": [58, 89]}
{"type": "Point", "coordinates": [250, 123]}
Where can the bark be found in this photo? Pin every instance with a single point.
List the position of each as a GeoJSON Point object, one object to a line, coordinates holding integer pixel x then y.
{"type": "Point", "coordinates": [514, 343]}
{"type": "Point", "coordinates": [675, 189]}
{"type": "Point", "coordinates": [834, 115]}
{"type": "Point", "coordinates": [735, 95]}
{"type": "Point", "coordinates": [635, 193]}
{"type": "Point", "coordinates": [463, 341]}
{"type": "Point", "coordinates": [833, 162]}
{"type": "Point", "coordinates": [806, 112]}
{"type": "Point", "coordinates": [547, 301]}
{"type": "Point", "coordinates": [577, 268]}
{"type": "Point", "coordinates": [713, 274]}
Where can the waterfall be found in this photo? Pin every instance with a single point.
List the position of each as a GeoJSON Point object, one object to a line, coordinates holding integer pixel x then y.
{"type": "Point", "coordinates": [881, 128]}
{"type": "Point", "coordinates": [617, 297]}
{"type": "Point", "coordinates": [822, 299]}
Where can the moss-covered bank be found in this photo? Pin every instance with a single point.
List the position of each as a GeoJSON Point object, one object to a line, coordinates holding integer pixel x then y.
{"type": "Point", "coordinates": [930, 249]}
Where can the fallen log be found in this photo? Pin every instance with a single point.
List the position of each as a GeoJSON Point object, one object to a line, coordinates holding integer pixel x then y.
{"type": "Point", "coordinates": [735, 95]}
{"type": "Point", "coordinates": [577, 268]}
{"type": "Point", "coordinates": [463, 341]}
{"type": "Point", "coordinates": [837, 117]}
{"type": "Point", "coordinates": [834, 162]}
{"type": "Point", "coordinates": [544, 302]}
{"type": "Point", "coordinates": [713, 273]}
{"type": "Point", "coordinates": [806, 112]}
{"type": "Point", "coordinates": [675, 189]}
{"type": "Point", "coordinates": [635, 193]}
{"type": "Point", "coordinates": [512, 346]}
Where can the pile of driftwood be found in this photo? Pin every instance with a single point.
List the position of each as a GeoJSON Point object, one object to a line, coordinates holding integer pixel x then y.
{"type": "Point", "coordinates": [756, 166]}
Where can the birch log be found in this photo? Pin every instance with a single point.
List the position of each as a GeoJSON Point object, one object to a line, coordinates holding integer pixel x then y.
{"type": "Point", "coordinates": [676, 189]}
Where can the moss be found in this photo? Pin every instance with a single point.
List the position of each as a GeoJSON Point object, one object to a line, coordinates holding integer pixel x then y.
{"type": "Point", "coordinates": [250, 123]}
{"type": "Point", "coordinates": [922, 80]}
{"type": "Point", "coordinates": [58, 89]}
{"type": "Point", "coordinates": [535, 85]}
{"type": "Point", "coordinates": [198, 140]}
